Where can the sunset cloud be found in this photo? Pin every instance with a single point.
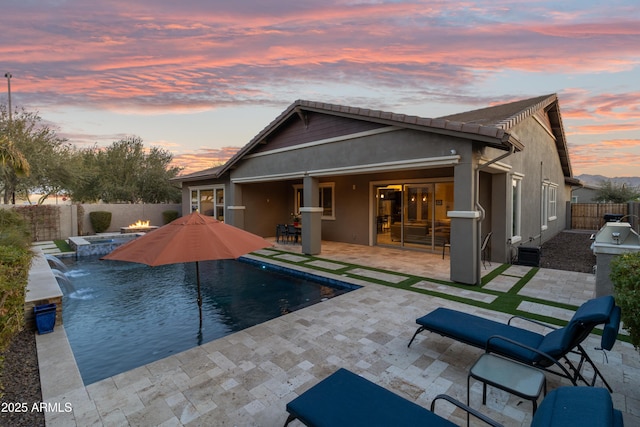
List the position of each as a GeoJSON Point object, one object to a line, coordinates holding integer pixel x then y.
{"type": "Point", "coordinates": [204, 159]}
{"type": "Point", "coordinates": [141, 58]}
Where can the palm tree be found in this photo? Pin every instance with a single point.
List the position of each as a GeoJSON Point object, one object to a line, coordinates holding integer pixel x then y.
{"type": "Point", "coordinates": [13, 164]}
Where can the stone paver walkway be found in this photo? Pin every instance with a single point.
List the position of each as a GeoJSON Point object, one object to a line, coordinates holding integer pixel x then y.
{"type": "Point", "coordinates": [246, 379]}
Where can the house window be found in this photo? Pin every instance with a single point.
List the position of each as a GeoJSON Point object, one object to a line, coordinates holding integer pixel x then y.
{"type": "Point", "coordinates": [326, 201]}
{"type": "Point", "coordinates": [326, 198]}
{"type": "Point", "coordinates": [553, 214]}
{"type": "Point", "coordinates": [548, 204]}
{"type": "Point", "coordinates": [516, 209]}
{"type": "Point", "coordinates": [208, 201]}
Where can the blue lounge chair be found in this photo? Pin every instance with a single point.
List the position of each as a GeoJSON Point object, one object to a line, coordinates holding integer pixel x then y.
{"type": "Point", "coordinates": [542, 351]}
{"type": "Point", "coordinates": [579, 407]}
{"type": "Point", "coordinates": [346, 399]}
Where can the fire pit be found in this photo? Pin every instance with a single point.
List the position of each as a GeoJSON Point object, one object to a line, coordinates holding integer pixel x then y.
{"type": "Point", "coordinates": [138, 227]}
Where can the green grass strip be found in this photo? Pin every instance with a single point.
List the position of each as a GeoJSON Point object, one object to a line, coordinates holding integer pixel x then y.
{"type": "Point", "coordinates": [63, 245]}
{"type": "Point", "coordinates": [506, 302]}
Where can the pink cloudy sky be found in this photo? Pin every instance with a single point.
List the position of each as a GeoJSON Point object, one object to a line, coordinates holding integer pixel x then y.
{"type": "Point", "coordinates": [200, 78]}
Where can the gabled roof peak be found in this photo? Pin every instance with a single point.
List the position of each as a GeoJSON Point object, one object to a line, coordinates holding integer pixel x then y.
{"type": "Point", "coordinates": [505, 115]}
{"type": "Point", "coordinates": [490, 125]}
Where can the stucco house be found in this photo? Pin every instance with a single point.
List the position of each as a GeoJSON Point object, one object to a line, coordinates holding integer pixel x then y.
{"type": "Point", "coordinates": [371, 177]}
{"type": "Point", "coordinates": [585, 194]}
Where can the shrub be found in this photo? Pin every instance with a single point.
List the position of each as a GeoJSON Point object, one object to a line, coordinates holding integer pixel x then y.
{"type": "Point", "coordinates": [168, 216]}
{"type": "Point", "coordinates": [15, 261]}
{"type": "Point", "coordinates": [14, 270]}
{"type": "Point", "coordinates": [625, 276]}
{"type": "Point", "coordinates": [100, 221]}
{"type": "Point", "coordinates": [14, 229]}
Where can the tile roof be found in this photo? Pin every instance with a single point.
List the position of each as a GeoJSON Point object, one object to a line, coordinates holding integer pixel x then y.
{"type": "Point", "coordinates": [490, 125]}
{"type": "Point", "coordinates": [503, 116]}
{"type": "Point", "coordinates": [395, 119]}
{"type": "Point", "coordinates": [196, 176]}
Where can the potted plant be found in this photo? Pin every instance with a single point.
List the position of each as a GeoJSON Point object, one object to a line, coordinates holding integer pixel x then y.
{"type": "Point", "coordinates": [295, 219]}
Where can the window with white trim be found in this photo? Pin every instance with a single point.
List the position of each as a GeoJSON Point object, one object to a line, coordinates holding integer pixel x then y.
{"type": "Point", "coordinates": [326, 199]}
{"type": "Point", "coordinates": [544, 207]}
{"type": "Point", "coordinates": [208, 201]}
{"type": "Point", "coordinates": [548, 204]}
{"type": "Point", "coordinates": [553, 213]}
{"type": "Point", "coordinates": [516, 209]}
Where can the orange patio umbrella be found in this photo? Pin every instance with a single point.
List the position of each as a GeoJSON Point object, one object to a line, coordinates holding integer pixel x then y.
{"type": "Point", "coordinates": [191, 238]}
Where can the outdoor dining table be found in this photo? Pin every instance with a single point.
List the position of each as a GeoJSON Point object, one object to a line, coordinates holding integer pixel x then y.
{"type": "Point", "coordinates": [288, 232]}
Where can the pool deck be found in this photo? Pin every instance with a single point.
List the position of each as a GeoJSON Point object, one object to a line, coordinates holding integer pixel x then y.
{"type": "Point", "coordinates": [247, 378]}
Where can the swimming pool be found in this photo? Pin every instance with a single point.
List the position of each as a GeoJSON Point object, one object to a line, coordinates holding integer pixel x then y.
{"type": "Point", "coordinates": [119, 316]}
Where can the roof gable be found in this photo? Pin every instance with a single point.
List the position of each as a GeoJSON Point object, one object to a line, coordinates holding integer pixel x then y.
{"type": "Point", "coordinates": [313, 126]}
{"type": "Point", "coordinates": [503, 116]}
{"type": "Point", "coordinates": [491, 125]}
{"type": "Point", "coordinates": [545, 108]}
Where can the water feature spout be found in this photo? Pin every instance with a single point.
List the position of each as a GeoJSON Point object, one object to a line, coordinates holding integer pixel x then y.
{"type": "Point", "coordinates": [63, 280]}
{"type": "Point", "coordinates": [56, 262]}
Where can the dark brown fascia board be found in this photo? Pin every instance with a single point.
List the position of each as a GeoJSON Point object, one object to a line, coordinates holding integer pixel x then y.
{"type": "Point", "coordinates": [561, 141]}
{"type": "Point", "coordinates": [197, 176]}
{"type": "Point", "coordinates": [189, 178]}
{"type": "Point", "coordinates": [492, 136]}
{"type": "Point", "coordinates": [573, 182]}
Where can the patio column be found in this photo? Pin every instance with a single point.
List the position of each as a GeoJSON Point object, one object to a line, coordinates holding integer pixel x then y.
{"type": "Point", "coordinates": [464, 259]}
{"type": "Point", "coordinates": [311, 217]}
{"type": "Point", "coordinates": [501, 192]}
{"type": "Point", "coordinates": [234, 212]}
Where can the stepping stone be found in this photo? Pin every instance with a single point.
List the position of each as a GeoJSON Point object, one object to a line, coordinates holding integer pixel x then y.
{"type": "Point", "coordinates": [292, 258]}
{"type": "Point", "coordinates": [385, 277]}
{"type": "Point", "coordinates": [327, 265]}
{"type": "Point", "coordinates": [266, 252]}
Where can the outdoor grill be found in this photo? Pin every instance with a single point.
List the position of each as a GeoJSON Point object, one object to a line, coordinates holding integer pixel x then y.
{"type": "Point", "coordinates": [613, 239]}
{"type": "Point", "coordinates": [617, 235]}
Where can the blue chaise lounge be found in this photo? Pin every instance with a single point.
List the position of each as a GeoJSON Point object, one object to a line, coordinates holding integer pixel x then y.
{"type": "Point", "coordinates": [349, 400]}
{"type": "Point", "coordinates": [528, 347]}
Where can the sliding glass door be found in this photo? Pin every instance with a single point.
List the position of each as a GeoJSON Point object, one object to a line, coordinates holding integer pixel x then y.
{"type": "Point", "coordinates": [413, 214]}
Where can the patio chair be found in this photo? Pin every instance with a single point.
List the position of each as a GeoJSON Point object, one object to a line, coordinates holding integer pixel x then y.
{"type": "Point", "coordinates": [542, 351]}
{"type": "Point", "coordinates": [292, 233]}
{"type": "Point", "coordinates": [347, 399]}
{"type": "Point", "coordinates": [579, 407]}
{"type": "Point", "coordinates": [281, 232]}
{"type": "Point", "coordinates": [483, 248]}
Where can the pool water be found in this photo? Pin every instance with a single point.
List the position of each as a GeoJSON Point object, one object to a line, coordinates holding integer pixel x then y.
{"type": "Point", "coordinates": [119, 316]}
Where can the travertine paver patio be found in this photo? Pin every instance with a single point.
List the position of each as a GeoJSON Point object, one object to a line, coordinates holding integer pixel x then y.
{"type": "Point", "coordinates": [246, 378]}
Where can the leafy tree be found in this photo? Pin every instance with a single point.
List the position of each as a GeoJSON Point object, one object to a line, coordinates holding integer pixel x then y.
{"type": "Point", "coordinates": [125, 172]}
{"type": "Point", "coordinates": [612, 192]}
{"type": "Point", "coordinates": [38, 159]}
{"type": "Point", "coordinates": [85, 184]}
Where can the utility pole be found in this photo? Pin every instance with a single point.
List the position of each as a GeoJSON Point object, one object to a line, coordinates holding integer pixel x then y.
{"type": "Point", "coordinates": [8, 76]}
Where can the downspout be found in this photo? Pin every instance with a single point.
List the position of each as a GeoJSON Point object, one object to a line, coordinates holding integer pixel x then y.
{"type": "Point", "coordinates": [476, 196]}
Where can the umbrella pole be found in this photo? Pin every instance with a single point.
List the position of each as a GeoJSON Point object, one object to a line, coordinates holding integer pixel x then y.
{"type": "Point", "coordinates": [199, 295]}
